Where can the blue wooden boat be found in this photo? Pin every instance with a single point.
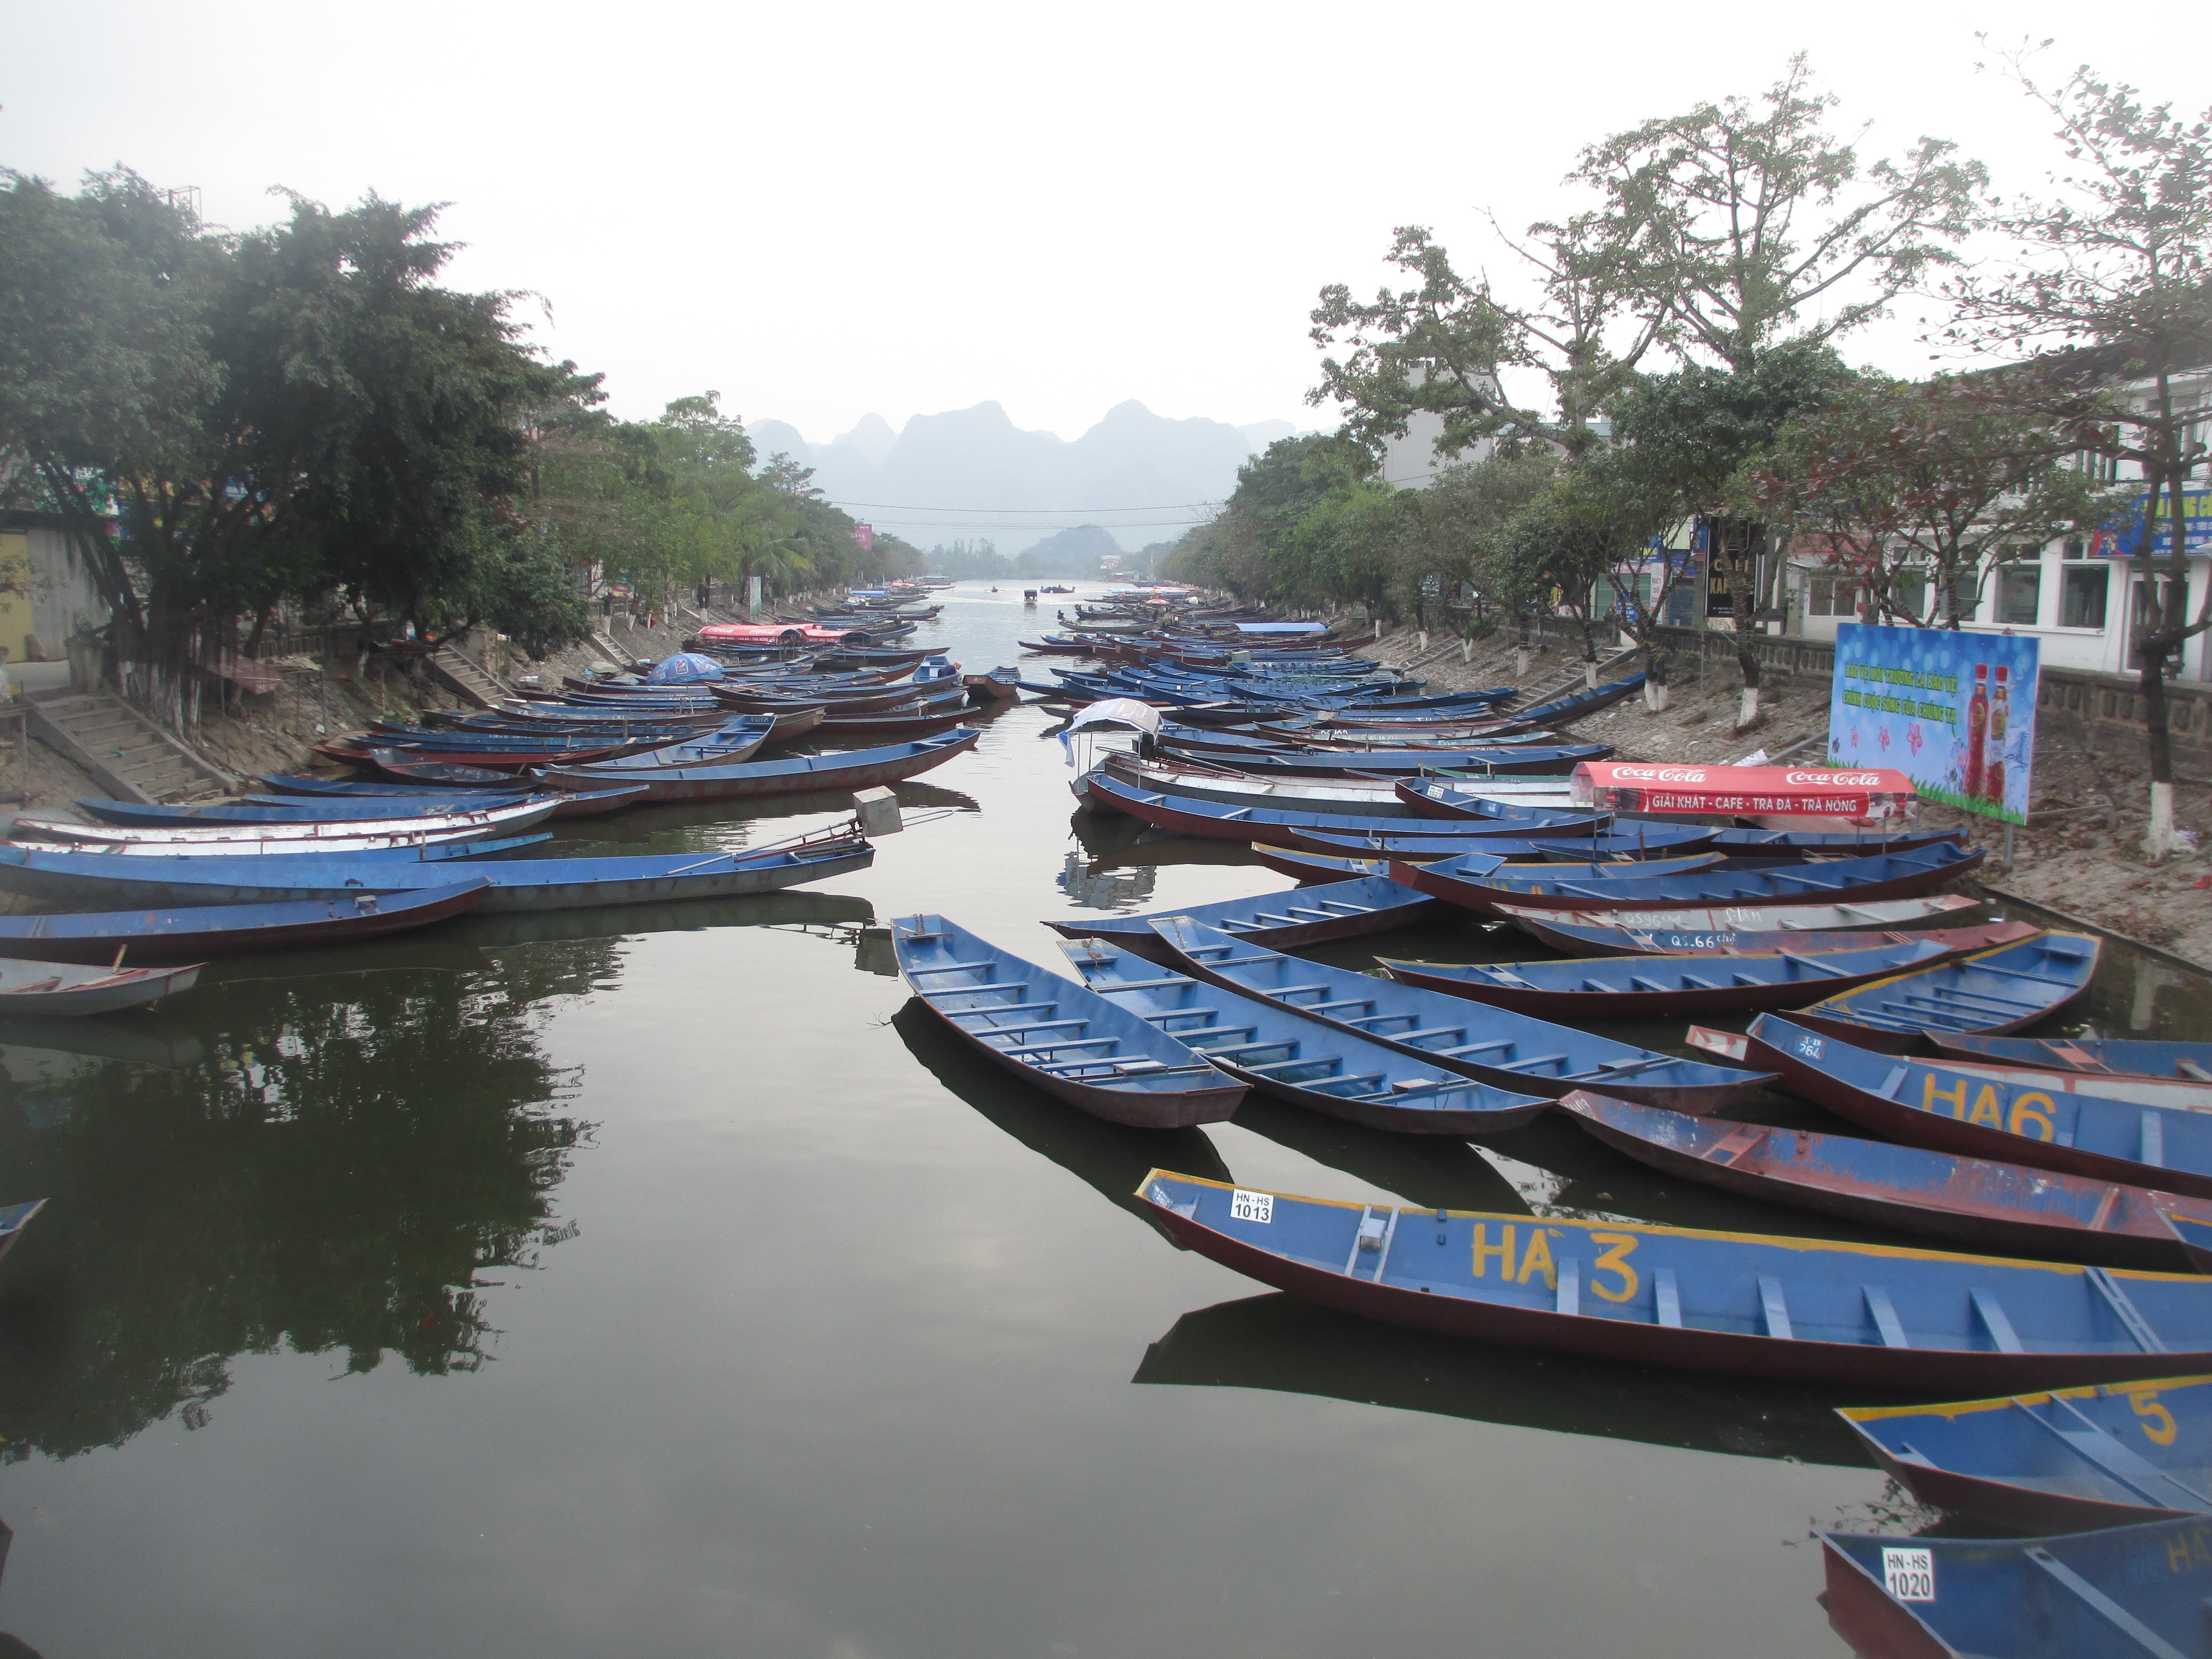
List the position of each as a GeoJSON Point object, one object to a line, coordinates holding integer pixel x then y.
{"type": "Point", "coordinates": [2124, 1593]}
{"type": "Point", "coordinates": [14, 1218]}
{"type": "Point", "coordinates": [112, 883]}
{"type": "Point", "coordinates": [305, 809]}
{"type": "Point", "coordinates": [2115, 1456]}
{"type": "Point", "coordinates": [1504, 761]}
{"type": "Point", "coordinates": [2102, 1056]}
{"type": "Point", "coordinates": [1893, 875]}
{"type": "Point", "coordinates": [1826, 843]}
{"type": "Point", "coordinates": [1581, 941]}
{"type": "Point", "coordinates": [1307, 1062]}
{"type": "Point", "coordinates": [1998, 990]}
{"type": "Point", "coordinates": [1663, 841]}
{"type": "Point", "coordinates": [1975, 1203]}
{"type": "Point", "coordinates": [1509, 1050]}
{"type": "Point", "coordinates": [194, 933]}
{"type": "Point", "coordinates": [1743, 1303]}
{"type": "Point", "coordinates": [1213, 820]}
{"type": "Point", "coordinates": [1281, 921]}
{"type": "Point", "coordinates": [1576, 704]}
{"type": "Point", "coordinates": [1718, 927]}
{"type": "Point", "coordinates": [731, 746]}
{"type": "Point", "coordinates": [856, 768]}
{"type": "Point", "coordinates": [1308, 867]}
{"type": "Point", "coordinates": [2011, 1116]}
{"type": "Point", "coordinates": [1070, 1042]}
{"type": "Point", "coordinates": [1656, 987]}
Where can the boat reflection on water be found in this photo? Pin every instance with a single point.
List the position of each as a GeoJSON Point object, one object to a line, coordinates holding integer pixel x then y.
{"type": "Point", "coordinates": [1114, 841]}
{"type": "Point", "coordinates": [351, 1164]}
{"type": "Point", "coordinates": [1118, 891]}
{"type": "Point", "coordinates": [1279, 1343]}
{"type": "Point", "coordinates": [1109, 1157]}
{"type": "Point", "coordinates": [1432, 1171]}
{"type": "Point", "coordinates": [792, 909]}
{"type": "Point", "coordinates": [140, 1039]}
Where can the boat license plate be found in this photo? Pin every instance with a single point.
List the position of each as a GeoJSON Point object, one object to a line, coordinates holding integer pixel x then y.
{"type": "Point", "coordinates": [1251, 1206]}
{"type": "Point", "coordinates": [1910, 1575]}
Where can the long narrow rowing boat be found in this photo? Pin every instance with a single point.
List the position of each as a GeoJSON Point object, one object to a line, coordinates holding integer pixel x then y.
{"type": "Point", "coordinates": [1307, 1062]}
{"type": "Point", "coordinates": [858, 769]}
{"type": "Point", "coordinates": [2110, 1456]}
{"type": "Point", "coordinates": [1510, 1050]}
{"type": "Point", "coordinates": [2000, 1115]}
{"type": "Point", "coordinates": [1896, 875]}
{"type": "Point", "coordinates": [2095, 1056]}
{"type": "Point", "coordinates": [1972, 1203]}
{"type": "Point", "coordinates": [198, 931]}
{"type": "Point", "coordinates": [102, 879]}
{"type": "Point", "coordinates": [1704, 927]}
{"type": "Point", "coordinates": [1747, 1305]}
{"type": "Point", "coordinates": [1658, 942]}
{"type": "Point", "coordinates": [1281, 921]}
{"type": "Point", "coordinates": [1062, 1037]}
{"type": "Point", "coordinates": [1653, 988]}
{"type": "Point", "coordinates": [2124, 1593]}
{"type": "Point", "coordinates": [1999, 990]}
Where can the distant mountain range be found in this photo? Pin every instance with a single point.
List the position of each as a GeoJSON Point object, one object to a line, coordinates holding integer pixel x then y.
{"type": "Point", "coordinates": [973, 474]}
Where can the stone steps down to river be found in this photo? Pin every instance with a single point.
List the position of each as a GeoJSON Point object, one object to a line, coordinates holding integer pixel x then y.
{"type": "Point", "coordinates": [126, 753]}
{"type": "Point", "coordinates": [467, 678]}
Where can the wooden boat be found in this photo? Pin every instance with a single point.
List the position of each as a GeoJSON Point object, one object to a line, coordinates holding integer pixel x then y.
{"type": "Point", "coordinates": [1827, 843]}
{"type": "Point", "coordinates": [1658, 942]}
{"type": "Point", "coordinates": [1893, 875]}
{"type": "Point", "coordinates": [2096, 1056]}
{"type": "Point", "coordinates": [1998, 990]}
{"type": "Point", "coordinates": [1307, 1062]}
{"type": "Point", "coordinates": [32, 990]}
{"type": "Point", "coordinates": [1308, 867]}
{"type": "Point", "coordinates": [2125, 1591]}
{"type": "Point", "coordinates": [299, 808]}
{"type": "Point", "coordinates": [1703, 926]}
{"type": "Point", "coordinates": [103, 879]}
{"type": "Point", "coordinates": [856, 768]}
{"type": "Point", "coordinates": [1510, 1050]}
{"type": "Point", "coordinates": [1281, 921]}
{"type": "Point", "coordinates": [1656, 987]}
{"type": "Point", "coordinates": [283, 834]}
{"type": "Point", "coordinates": [1507, 799]}
{"type": "Point", "coordinates": [1503, 761]}
{"type": "Point", "coordinates": [891, 726]}
{"type": "Point", "coordinates": [335, 841]}
{"type": "Point", "coordinates": [1421, 847]}
{"type": "Point", "coordinates": [2001, 1115]}
{"type": "Point", "coordinates": [14, 1218]}
{"type": "Point", "coordinates": [1068, 1041]}
{"type": "Point", "coordinates": [477, 772]}
{"type": "Point", "coordinates": [998, 686]}
{"type": "Point", "coordinates": [352, 796]}
{"type": "Point", "coordinates": [716, 750]}
{"type": "Point", "coordinates": [198, 931]}
{"type": "Point", "coordinates": [1976, 1203]}
{"type": "Point", "coordinates": [1743, 1303]}
{"type": "Point", "coordinates": [2114, 1455]}
{"type": "Point", "coordinates": [1218, 821]}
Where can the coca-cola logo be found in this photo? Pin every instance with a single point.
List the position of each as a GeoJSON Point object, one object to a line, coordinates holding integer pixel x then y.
{"type": "Point", "coordinates": [1851, 780]}
{"type": "Point", "coordinates": [1660, 773]}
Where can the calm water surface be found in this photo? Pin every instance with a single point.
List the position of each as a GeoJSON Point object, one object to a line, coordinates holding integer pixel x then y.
{"type": "Point", "coordinates": [659, 1282]}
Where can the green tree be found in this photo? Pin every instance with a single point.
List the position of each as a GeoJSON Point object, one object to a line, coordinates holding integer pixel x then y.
{"type": "Point", "coordinates": [2111, 291]}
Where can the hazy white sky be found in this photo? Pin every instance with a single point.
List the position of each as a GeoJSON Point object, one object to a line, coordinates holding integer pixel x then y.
{"type": "Point", "coordinates": [827, 210]}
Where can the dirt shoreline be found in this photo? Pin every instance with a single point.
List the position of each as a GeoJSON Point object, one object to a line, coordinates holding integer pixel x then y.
{"type": "Point", "coordinates": [2078, 855]}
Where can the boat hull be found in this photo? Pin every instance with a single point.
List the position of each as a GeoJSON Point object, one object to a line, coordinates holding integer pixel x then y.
{"type": "Point", "coordinates": [198, 932]}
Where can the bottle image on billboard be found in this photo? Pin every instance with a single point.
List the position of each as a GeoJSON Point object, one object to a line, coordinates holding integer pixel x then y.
{"type": "Point", "coordinates": [1993, 774]}
{"type": "Point", "coordinates": [1977, 730]}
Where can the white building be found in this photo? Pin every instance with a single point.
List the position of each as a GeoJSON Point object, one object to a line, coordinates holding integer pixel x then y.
{"type": "Point", "coordinates": [1413, 461]}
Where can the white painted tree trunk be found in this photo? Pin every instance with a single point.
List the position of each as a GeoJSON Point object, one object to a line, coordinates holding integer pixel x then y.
{"type": "Point", "coordinates": [1656, 697]}
{"type": "Point", "coordinates": [1520, 662]}
{"type": "Point", "coordinates": [1423, 639]}
{"type": "Point", "coordinates": [1465, 651]}
{"type": "Point", "coordinates": [2158, 839]}
{"type": "Point", "coordinates": [1589, 676]}
{"type": "Point", "coordinates": [1749, 706]}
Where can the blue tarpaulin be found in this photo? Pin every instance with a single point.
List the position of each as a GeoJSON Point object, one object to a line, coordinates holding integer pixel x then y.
{"type": "Point", "coordinates": [684, 668]}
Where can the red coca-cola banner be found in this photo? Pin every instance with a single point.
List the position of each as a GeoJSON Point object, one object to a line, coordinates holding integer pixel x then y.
{"type": "Point", "coordinates": [1743, 791]}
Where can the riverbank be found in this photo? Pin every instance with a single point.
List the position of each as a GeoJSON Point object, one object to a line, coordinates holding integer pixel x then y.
{"type": "Point", "coordinates": [2078, 853]}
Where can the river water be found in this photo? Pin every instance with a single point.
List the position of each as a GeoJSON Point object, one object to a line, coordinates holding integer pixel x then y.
{"type": "Point", "coordinates": [661, 1283]}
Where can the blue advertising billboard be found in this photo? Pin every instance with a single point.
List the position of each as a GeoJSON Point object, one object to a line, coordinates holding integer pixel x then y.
{"type": "Point", "coordinates": [1954, 712]}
